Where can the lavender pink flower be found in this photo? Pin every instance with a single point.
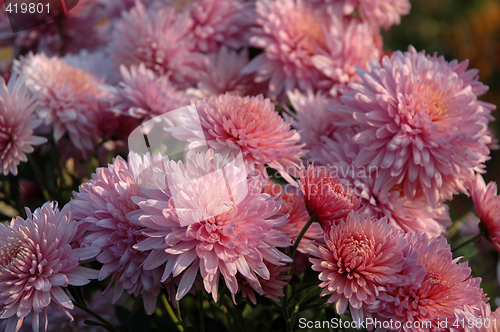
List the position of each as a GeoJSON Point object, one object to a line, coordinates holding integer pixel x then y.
{"type": "Point", "coordinates": [17, 122]}
{"type": "Point", "coordinates": [487, 204]}
{"type": "Point", "coordinates": [410, 106]}
{"type": "Point", "coordinates": [103, 204]}
{"type": "Point", "coordinates": [37, 261]}
{"type": "Point", "coordinates": [144, 95]}
{"type": "Point", "coordinates": [67, 97]}
{"type": "Point", "coordinates": [156, 37]}
{"type": "Point", "coordinates": [196, 226]}
{"type": "Point", "coordinates": [290, 32]}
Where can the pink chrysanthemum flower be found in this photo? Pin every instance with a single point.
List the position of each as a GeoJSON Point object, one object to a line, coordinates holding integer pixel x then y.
{"type": "Point", "coordinates": [349, 44]}
{"type": "Point", "coordinates": [290, 32]}
{"type": "Point", "coordinates": [67, 97]}
{"type": "Point", "coordinates": [17, 121]}
{"type": "Point", "coordinates": [221, 72]}
{"type": "Point", "coordinates": [213, 23]}
{"type": "Point", "coordinates": [249, 122]}
{"type": "Point", "coordinates": [144, 95]}
{"type": "Point", "coordinates": [380, 13]}
{"type": "Point", "coordinates": [362, 256]}
{"type": "Point", "coordinates": [327, 200]}
{"type": "Point", "coordinates": [295, 208]}
{"type": "Point", "coordinates": [436, 286]}
{"type": "Point", "coordinates": [339, 154]}
{"type": "Point", "coordinates": [103, 203]}
{"type": "Point", "coordinates": [410, 106]}
{"type": "Point", "coordinates": [36, 262]}
{"type": "Point", "coordinates": [197, 226]}
{"type": "Point", "coordinates": [271, 288]}
{"type": "Point", "coordinates": [487, 204]}
{"type": "Point", "coordinates": [313, 119]}
{"type": "Point", "coordinates": [157, 38]}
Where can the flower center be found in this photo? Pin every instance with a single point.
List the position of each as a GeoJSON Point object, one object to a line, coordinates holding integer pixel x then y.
{"type": "Point", "coordinates": [10, 252]}
{"type": "Point", "coordinates": [307, 29]}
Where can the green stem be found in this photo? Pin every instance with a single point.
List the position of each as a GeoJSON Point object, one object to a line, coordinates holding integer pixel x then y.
{"type": "Point", "coordinates": [300, 236]}
{"type": "Point", "coordinates": [466, 242]}
{"type": "Point", "coordinates": [175, 318]}
{"type": "Point", "coordinates": [106, 324]}
{"type": "Point", "coordinates": [40, 178]}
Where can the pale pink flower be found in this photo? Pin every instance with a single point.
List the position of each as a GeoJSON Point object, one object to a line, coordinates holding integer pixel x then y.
{"type": "Point", "coordinates": [252, 124]}
{"type": "Point", "coordinates": [37, 261]}
{"type": "Point", "coordinates": [295, 208]}
{"type": "Point", "coordinates": [436, 286]}
{"type": "Point", "coordinates": [197, 226]}
{"type": "Point", "coordinates": [380, 13]}
{"type": "Point", "coordinates": [271, 288]}
{"type": "Point", "coordinates": [290, 32]}
{"type": "Point", "coordinates": [103, 204]}
{"type": "Point", "coordinates": [67, 97]}
{"type": "Point", "coordinates": [213, 23]}
{"type": "Point", "coordinates": [339, 154]}
{"type": "Point", "coordinates": [158, 38]}
{"type": "Point", "coordinates": [17, 121]}
{"type": "Point", "coordinates": [144, 95]}
{"type": "Point", "coordinates": [349, 43]}
{"type": "Point", "coordinates": [487, 204]}
{"type": "Point", "coordinates": [327, 200]}
{"type": "Point", "coordinates": [410, 106]}
{"type": "Point", "coordinates": [362, 256]}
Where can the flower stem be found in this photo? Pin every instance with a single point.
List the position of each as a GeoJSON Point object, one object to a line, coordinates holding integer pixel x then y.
{"type": "Point", "coordinates": [40, 178]}
{"type": "Point", "coordinates": [466, 242]}
{"type": "Point", "coordinates": [107, 325]}
{"type": "Point", "coordinates": [300, 236]}
{"type": "Point", "coordinates": [176, 319]}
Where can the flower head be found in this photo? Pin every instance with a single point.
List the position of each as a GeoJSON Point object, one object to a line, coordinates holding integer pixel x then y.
{"type": "Point", "coordinates": [37, 260]}
{"type": "Point", "coordinates": [362, 256]}
{"type": "Point", "coordinates": [410, 106]}
{"type": "Point", "coordinates": [67, 97]}
{"type": "Point", "coordinates": [211, 220]}
{"type": "Point", "coordinates": [290, 32]}
{"type": "Point", "coordinates": [143, 94]}
{"type": "Point", "coordinates": [221, 72]}
{"type": "Point", "coordinates": [213, 23]}
{"type": "Point", "coordinates": [326, 198]}
{"type": "Point", "coordinates": [250, 123]}
{"type": "Point", "coordinates": [487, 204]}
{"type": "Point", "coordinates": [157, 38]}
{"type": "Point", "coordinates": [436, 286]}
{"type": "Point", "coordinates": [17, 121]}
{"type": "Point", "coordinates": [349, 44]}
{"type": "Point", "coordinates": [102, 204]}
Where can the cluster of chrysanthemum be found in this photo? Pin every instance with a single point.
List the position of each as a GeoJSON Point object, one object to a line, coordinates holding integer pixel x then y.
{"type": "Point", "coordinates": [388, 140]}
